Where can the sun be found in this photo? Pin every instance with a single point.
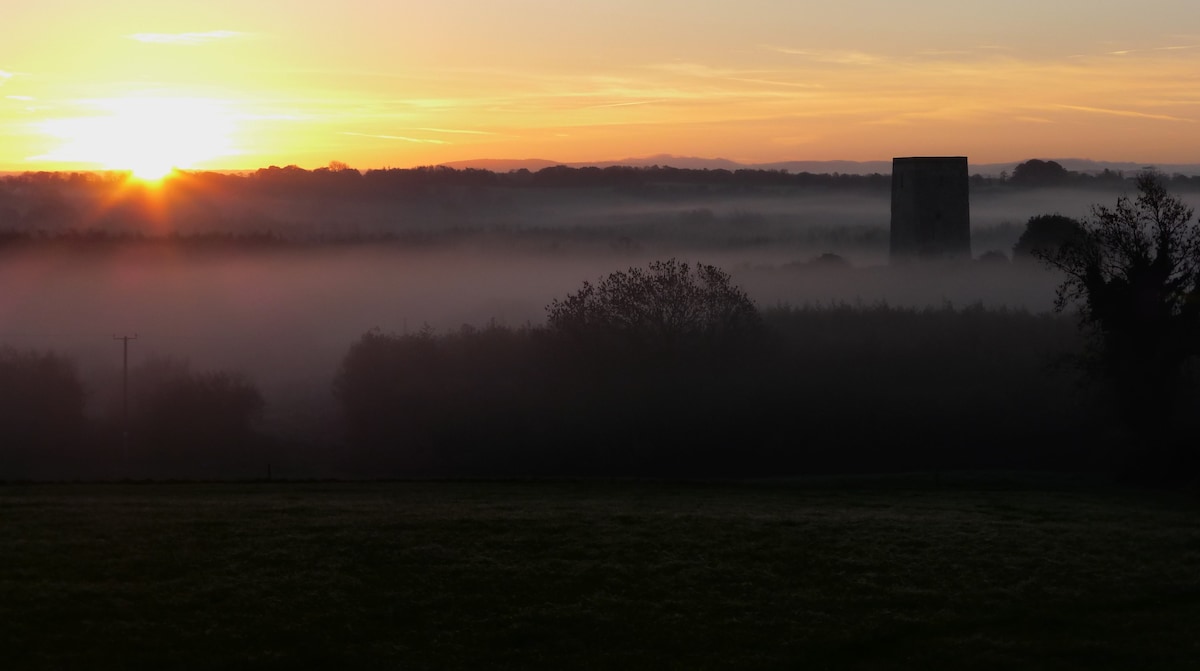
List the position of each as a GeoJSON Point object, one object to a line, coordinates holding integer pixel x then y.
{"type": "Point", "coordinates": [148, 136]}
{"type": "Point", "coordinates": [151, 170]}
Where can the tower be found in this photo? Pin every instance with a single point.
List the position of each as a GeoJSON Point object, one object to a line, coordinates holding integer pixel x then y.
{"type": "Point", "coordinates": [931, 212]}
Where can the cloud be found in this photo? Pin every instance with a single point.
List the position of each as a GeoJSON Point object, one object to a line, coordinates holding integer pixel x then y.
{"type": "Point", "coordinates": [399, 138]}
{"type": "Point", "coordinates": [768, 78]}
{"type": "Point", "coordinates": [21, 98]}
{"type": "Point", "coordinates": [1124, 113]}
{"type": "Point", "coordinates": [186, 39]}
{"type": "Point", "coordinates": [777, 83]}
{"type": "Point", "coordinates": [699, 70]}
{"type": "Point", "coordinates": [943, 52]}
{"type": "Point", "coordinates": [457, 131]}
{"type": "Point", "coordinates": [627, 104]}
{"type": "Point", "coordinates": [834, 56]}
{"type": "Point", "coordinates": [1172, 47]}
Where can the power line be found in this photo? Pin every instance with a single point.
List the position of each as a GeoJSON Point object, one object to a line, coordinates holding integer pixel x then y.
{"type": "Point", "coordinates": [125, 389]}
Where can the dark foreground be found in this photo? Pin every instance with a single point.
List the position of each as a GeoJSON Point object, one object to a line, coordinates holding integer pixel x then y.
{"type": "Point", "coordinates": [894, 573]}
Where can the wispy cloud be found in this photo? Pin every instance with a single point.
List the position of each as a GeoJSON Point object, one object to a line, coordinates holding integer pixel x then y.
{"type": "Point", "coordinates": [1172, 47]}
{"type": "Point", "coordinates": [1125, 113]}
{"type": "Point", "coordinates": [187, 39]}
{"type": "Point", "coordinates": [21, 98]}
{"type": "Point", "coordinates": [456, 131]}
{"type": "Point", "coordinates": [5, 76]}
{"type": "Point", "coordinates": [630, 103]}
{"type": "Point", "coordinates": [834, 56]}
{"type": "Point", "coordinates": [398, 138]}
{"type": "Point", "coordinates": [759, 77]}
{"type": "Point", "coordinates": [700, 70]}
{"type": "Point", "coordinates": [778, 83]}
{"type": "Point", "coordinates": [942, 113]}
{"type": "Point", "coordinates": [943, 52]}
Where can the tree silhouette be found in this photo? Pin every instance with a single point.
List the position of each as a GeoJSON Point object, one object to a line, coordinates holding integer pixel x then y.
{"type": "Point", "coordinates": [1035, 172]}
{"type": "Point", "coordinates": [194, 422]}
{"type": "Point", "coordinates": [1045, 233]}
{"type": "Point", "coordinates": [41, 408]}
{"type": "Point", "coordinates": [661, 308]}
{"type": "Point", "coordinates": [1135, 274]}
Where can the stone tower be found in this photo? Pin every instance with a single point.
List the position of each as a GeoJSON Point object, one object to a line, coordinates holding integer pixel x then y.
{"type": "Point", "coordinates": [931, 212]}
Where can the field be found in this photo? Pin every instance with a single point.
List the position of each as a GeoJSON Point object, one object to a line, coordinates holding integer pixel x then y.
{"type": "Point", "coordinates": [898, 572]}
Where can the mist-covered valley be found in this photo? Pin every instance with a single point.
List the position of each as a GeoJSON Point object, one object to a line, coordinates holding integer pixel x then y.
{"type": "Point", "coordinates": [277, 284]}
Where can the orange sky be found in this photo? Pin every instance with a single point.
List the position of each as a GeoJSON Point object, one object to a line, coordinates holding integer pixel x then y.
{"type": "Point", "coordinates": [224, 84]}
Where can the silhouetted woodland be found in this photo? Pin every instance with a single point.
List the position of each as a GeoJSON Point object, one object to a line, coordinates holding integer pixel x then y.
{"type": "Point", "coordinates": [193, 424]}
{"type": "Point", "coordinates": [41, 411]}
{"type": "Point", "coordinates": [255, 208]}
{"type": "Point", "coordinates": [843, 388]}
{"type": "Point", "coordinates": [818, 390]}
{"type": "Point", "coordinates": [665, 370]}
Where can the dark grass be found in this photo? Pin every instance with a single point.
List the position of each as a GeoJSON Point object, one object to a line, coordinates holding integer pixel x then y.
{"type": "Point", "coordinates": [889, 573]}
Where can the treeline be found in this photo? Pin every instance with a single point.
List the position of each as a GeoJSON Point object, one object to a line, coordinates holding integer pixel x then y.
{"type": "Point", "coordinates": [173, 422]}
{"type": "Point", "coordinates": [814, 390]}
{"type": "Point", "coordinates": [621, 207]}
{"type": "Point", "coordinates": [818, 390]}
{"type": "Point", "coordinates": [343, 203]}
{"type": "Point", "coordinates": [342, 182]}
{"type": "Point", "coordinates": [94, 239]}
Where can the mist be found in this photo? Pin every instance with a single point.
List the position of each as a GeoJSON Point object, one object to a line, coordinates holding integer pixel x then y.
{"type": "Point", "coordinates": [285, 318]}
{"type": "Point", "coordinates": [279, 287]}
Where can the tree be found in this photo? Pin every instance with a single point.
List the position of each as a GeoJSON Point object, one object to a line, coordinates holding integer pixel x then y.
{"type": "Point", "coordinates": [662, 308]}
{"type": "Point", "coordinates": [41, 409]}
{"type": "Point", "coordinates": [1035, 172]}
{"type": "Point", "coordinates": [1045, 233]}
{"type": "Point", "coordinates": [660, 363]}
{"type": "Point", "coordinates": [1135, 273]}
{"type": "Point", "coordinates": [451, 403]}
{"type": "Point", "coordinates": [193, 422]}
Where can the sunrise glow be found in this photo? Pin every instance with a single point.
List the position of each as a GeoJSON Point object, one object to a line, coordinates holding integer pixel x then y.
{"type": "Point", "coordinates": [226, 84]}
{"type": "Point", "coordinates": [149, 137]}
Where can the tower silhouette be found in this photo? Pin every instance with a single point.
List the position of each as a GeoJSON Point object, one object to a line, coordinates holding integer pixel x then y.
{"type": "Point", "coordinates": [931, 212]}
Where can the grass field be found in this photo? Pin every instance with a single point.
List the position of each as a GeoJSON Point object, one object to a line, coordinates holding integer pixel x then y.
{"type": "Point", "coordinates": [886, 573]}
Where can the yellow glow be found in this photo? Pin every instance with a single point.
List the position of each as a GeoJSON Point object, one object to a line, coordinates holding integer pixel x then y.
{"type": "Point", "coordinates": [139, 84]}
{"type": "Point", "coordinates": [147, 136]}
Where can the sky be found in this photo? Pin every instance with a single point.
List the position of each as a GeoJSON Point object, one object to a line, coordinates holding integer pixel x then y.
{"type": "Point", "coordinates": [225, 84]}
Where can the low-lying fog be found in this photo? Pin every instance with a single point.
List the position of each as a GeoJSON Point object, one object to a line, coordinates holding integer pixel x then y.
{"type": "Point", "coordinates": [286, 314]}
{"type": "Point", "coordinates": [285, 317]}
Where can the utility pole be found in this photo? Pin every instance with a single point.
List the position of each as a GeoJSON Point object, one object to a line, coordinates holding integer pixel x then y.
{"type": "Point", "coordinates": [125, 391]}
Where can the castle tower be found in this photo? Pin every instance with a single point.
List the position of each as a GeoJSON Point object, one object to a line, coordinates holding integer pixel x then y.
{"type": "Point", "coordinates": [931, 212]}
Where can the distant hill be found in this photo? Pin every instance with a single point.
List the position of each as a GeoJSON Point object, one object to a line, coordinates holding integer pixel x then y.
{"type": "Point", "coordinates": [816, 167]}
{"type": "Point", "coordinates": [502, 165]}
{"type": "Point", "coordinates": [830, 167]}
{"type": "Point", "coordinates": [535, 164]}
